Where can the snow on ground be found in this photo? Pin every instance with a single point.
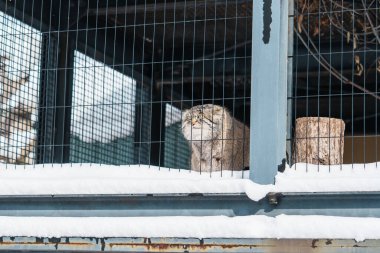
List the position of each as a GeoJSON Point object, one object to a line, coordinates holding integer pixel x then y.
{"type": "Point", "coordinates": [256, 226]}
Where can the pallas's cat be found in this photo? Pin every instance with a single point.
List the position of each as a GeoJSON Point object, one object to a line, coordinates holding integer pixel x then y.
{"type": "Point", "coordinates": [217, 140]}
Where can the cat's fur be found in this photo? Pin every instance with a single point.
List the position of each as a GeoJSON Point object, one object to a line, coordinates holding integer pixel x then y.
{"type": "Point", "coordinates": [217, 140]}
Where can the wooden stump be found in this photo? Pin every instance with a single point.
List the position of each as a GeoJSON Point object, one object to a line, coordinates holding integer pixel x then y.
{"type": "Point", "coordinates": [319, 140]}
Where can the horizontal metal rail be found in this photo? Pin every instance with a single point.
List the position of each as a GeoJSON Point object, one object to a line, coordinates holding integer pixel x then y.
{"type": "Point", "coordinates": [33, 244]}
{"type": "Point", "coordinates": [350, 204]}
{"type": "Point", "coordinates": [365, 204]}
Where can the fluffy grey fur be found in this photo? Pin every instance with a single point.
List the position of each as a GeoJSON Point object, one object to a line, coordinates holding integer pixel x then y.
{"type": "Point", "coordinates": [217, 140]}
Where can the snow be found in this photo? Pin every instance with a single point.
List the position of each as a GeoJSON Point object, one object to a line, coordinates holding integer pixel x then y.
{"type": "Point", "coordinates": [140, 179]}
{"type": "Point", "coordinates": [143, 179]}
{"type": "Point", "coordinates": [324, 178]}
{"type": "Point", "coordinates": [255, 226]}
{"type": "Point", "coordinates": [107, 179]}
{"type": "Point", "coordinates": [59, 179]}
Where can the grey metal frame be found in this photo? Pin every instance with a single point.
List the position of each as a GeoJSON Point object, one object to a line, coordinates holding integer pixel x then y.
{"type": "Point", "coordinates": [91, 244]}
{"type": "Point", "coordinates": [139, 205]}
{"type": "Point", "coordinates": [269, 88]}
{"type": "Point", "coordinates": [270, 74]}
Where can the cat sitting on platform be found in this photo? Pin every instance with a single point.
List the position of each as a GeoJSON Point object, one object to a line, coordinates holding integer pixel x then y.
{"type": "Point", "coordinates": [217, 140]}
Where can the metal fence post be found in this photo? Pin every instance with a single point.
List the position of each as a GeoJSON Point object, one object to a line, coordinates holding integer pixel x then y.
{"type": "Point", "coordinates": [268, 91]}
{"type": "Point", "coordinates": [63, 96]}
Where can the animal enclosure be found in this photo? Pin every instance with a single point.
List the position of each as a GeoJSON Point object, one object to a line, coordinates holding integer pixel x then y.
{"type": "Point", "coordinates": [335, 60]}
{"type": "Point", "coordinates": [108, 81]}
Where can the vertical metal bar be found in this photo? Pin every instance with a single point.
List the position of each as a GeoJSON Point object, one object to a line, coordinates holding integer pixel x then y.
{"type": "Point", "coordinates": [158, 105]}
{"type": "Point", "coordinates": [282, 85]}
{"type": "Point", "coordinates": [63, 100]}
{"type": "Point", "coordinates": [268, 92]}
{"type": "Point", "coordinates": [158, 129]}
{"type": "Point", "coordinates": [46, 107]}
{"type": "Point", "coordinates": [161, 161]}
{"type": "Point", "coordinates": [290, 80]}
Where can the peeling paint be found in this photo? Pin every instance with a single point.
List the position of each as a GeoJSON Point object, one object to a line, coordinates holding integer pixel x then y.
{"type": "Point", "coordinates": [313, 243]}
{"type": "Point", "coordinates": [54, 240]}
{"type": "Point", "coordinates": [92, 244]}
{"type": "Point", "coordinates": [267, 20]}
{"type": "Point", "coordinates": [102, 242]}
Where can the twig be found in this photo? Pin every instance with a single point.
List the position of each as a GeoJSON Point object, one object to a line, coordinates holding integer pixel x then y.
{"type": "Point", "coordinates": [330, 68]}
{"type": "Point", "coordinates": [370, 22]}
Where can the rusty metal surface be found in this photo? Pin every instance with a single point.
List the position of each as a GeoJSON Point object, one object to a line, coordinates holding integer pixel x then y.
{"type": "Point", "coordinates": [19, 244]}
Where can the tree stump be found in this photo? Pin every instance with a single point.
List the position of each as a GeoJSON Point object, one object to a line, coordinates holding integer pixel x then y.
{"type": "Point", "coordinates": [319, 140]}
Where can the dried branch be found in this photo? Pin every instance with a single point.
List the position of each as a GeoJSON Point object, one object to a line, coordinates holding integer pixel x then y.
{"type": "Point", "coordinates": [370, 22]}
{"type": "Point", "coordinates": [326, 65]}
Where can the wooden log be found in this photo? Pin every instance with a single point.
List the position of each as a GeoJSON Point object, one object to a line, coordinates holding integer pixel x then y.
{"type": "Point", "coordinates": [319, 140]}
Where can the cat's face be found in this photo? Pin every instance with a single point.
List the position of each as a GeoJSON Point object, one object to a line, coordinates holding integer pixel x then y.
{"type": "Point", "coordinates": [202, 122]}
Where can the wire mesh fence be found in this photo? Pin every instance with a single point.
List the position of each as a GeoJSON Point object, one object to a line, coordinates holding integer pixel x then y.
{"type": "Point", "coordinates": [163, 83]}
{"type": "Point", "coordinates": [334, 97]}
{"type": "Point", "coordinates": [102, 114]}
{"type": "Point", "coordinates": [20, 56]}
{"type": "Point", "coordinates": [168, 83]}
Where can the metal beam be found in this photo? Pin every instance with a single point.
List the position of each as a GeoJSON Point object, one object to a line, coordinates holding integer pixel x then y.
{"type": "Point", "coordinates": [91, 244]}
{"type": "Point", "coordinates": [131, 9]}
{"type": "Point", "coordinates": [290, 53]}
{"type": "Point", "coordinates": [126, 205]}
{"type": "Point", "coordinates": [333, 204]}
{"type": "Point", "coordinates": [268, 92]}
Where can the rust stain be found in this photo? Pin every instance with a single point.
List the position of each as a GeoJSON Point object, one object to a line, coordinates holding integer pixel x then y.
{"type": "Point", "coordinates": [170, 246]}
{"type": "Point", "coordinates": [285, 246]}
{"type": "Point", "coordinates": [45, 243]}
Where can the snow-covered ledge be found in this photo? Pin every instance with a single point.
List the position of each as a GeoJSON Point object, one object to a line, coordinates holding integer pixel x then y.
{"type": "Point", "coordinates": [334, 178]}
{"type": "Point", "coordinates": [71, 179]}
{"type": "Point", "coordinates": [88, 179]}
{"type": "Point", "coordinates": [255, 226]}
{"type": "Point", "coordinates": [80, 179]}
